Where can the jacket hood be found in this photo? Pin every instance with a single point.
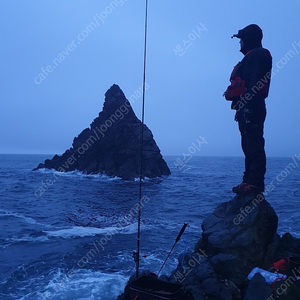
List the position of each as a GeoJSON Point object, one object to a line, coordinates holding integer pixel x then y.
{"type": "Point", "coordinates": [251, 35]}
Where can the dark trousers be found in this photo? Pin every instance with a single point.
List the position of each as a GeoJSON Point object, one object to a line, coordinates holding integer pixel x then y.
{"type": "Point", "coordinates": [253, 145]}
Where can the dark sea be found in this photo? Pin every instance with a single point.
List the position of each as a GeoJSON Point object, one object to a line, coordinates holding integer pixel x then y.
{"type": "Point", "coordinates": [72, 236]}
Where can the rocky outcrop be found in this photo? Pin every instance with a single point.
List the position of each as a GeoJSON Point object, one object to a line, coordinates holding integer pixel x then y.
{"type": "Point", "coordinates": [111, 145]}
{"type": "Point", "coordinates": [238, 236]}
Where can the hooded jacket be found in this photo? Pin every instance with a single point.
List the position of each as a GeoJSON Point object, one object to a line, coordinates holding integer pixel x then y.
{"type": "Point", "coordinates": [254, 71]}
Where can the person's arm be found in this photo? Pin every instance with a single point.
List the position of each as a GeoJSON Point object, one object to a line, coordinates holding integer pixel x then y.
{"type": "Point", "coordinates": [255, 73]}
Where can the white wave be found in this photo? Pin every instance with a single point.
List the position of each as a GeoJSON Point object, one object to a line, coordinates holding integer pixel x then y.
{"type": "Point", "coordinates": [78, 231]}
{"type": "Point", "coordinates": [28, 220]}
{"type": "Point", "coordinates": [144, 179]}
{"type": "Point", "coordinates": [27, 238]}
{"type": "Point", "coordinates": [81, 285]}
{"type": "Point", "coordinates": [44, 170]}
{"type": "Point", "coordinates": [90, 176]}
{"type": "Point", "coordinates": [79, 174]}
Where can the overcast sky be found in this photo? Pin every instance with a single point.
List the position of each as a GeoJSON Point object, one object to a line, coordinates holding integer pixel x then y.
{"type": "Point", "coordinates": [58, 58]}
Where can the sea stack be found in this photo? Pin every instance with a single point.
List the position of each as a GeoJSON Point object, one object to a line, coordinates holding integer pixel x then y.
{"type": "Point", "coordinates": [111, 145]}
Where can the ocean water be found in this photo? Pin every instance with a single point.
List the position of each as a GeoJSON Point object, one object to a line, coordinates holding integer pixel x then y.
{"type": "Point", "coordinates": [72, 236]}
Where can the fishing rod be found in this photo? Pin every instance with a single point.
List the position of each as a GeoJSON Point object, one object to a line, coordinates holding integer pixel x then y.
{"type": "Point", "coordinates": [137, 255]}
{"type": "Point", "coordinates": [177, 239]}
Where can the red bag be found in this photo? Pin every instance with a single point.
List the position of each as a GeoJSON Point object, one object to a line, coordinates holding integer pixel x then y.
{"type": "Point", "coordinates": [236, 89]}
{"type": "Point", "coordinates": [237, 86]}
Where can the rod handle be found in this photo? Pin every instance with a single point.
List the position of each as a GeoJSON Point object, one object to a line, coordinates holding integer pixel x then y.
{"type": "Point", "coordinates": [181, 231]}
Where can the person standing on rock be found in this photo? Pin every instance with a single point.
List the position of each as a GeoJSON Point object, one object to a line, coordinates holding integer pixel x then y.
{"type": "Point", "coordinates": [250, 83]}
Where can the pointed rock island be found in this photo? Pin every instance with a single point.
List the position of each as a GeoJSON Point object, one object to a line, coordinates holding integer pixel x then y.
{"type": "Point", "coordinates": [111, 145]}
